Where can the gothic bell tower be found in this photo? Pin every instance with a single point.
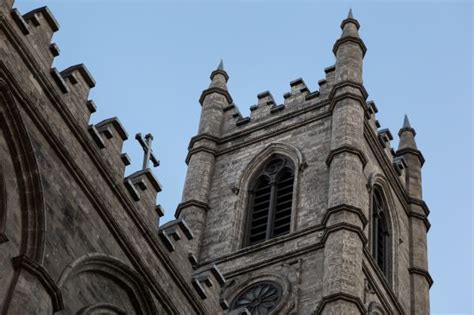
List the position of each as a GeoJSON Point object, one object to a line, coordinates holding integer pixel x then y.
{"type": "Point", "coordinates": [304, 206]}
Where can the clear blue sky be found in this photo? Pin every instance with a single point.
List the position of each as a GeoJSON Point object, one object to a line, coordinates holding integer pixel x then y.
{"type": "Point", "coordinates": [152, 59]}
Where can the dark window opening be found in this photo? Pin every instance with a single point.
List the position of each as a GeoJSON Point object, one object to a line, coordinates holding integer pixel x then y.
{"type": "Point", "coordinates": [380, 233]}
{"type": "Point", "coordinates": [272, 197]}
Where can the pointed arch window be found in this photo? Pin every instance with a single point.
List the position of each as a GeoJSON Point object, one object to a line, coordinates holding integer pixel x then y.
{"type": "Point", "coordinates": [380, 231]}
{"type": "Point", "coordinates": [271, 201]}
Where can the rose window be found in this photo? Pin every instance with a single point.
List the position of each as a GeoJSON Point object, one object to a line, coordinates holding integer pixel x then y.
{"type": "Point", "coordinates": [259, 299]}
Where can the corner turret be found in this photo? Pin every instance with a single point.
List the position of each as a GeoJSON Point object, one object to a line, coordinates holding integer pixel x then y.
{"type": "Point", "coordinates": [201, 156]}
{"type": "Point", "coordinates": [349, 50]}
{"type": "Point", "coordinates": [213, 100]}
{"type": "Point", "coordinates": [346, 162]}
{"type": "Point", "coordinates": [409, 151]}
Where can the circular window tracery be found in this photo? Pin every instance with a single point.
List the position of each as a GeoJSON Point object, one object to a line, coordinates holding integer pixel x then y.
{"type": "Point", "coordinates": [259, 299]}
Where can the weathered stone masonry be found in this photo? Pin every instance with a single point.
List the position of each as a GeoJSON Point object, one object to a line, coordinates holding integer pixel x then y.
{"type": "Point", "coordinates": [78, 237]}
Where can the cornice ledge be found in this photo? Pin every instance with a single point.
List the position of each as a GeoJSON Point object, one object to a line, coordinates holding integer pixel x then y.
{"type": "Point", "coordinates": [221, 72]}
{"type": "Point", "coordinates": [423, 273]}
{"type": "Point", "coordinates": [200, 149]}
{"type": "Point", "coordinates": [346, 149]}
{"type": "Point", "coordinates": [352, 39]}
{"type": "Point", "coordinates": [217, 90]}
{"type": "Point", "coordinates": [411, 151]}
{"type": "Point", "coordinates": [421, 203]}
{"type": "Point", "coordinates": [191, 203]}
{"type": "Point", "coordinates": [344, 226]}
{"type": "Point", "coordinates": [350, 20]}
{"type": "Point", "coordinates": [340, 296]}
{"type": "Point", "coordinates": [37, 270]}
{"type": "Point", "coordinates": [421, 217]}
{"type": "Point", "coordinates": [202, 136]}
{"type": "Point", "coordinates": [350, 83]}
{"type": "Point", "coordinates": [345, 207]}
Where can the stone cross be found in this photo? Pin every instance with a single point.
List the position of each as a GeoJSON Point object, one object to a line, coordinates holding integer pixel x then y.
{"type": "Point", "coordinates": [146, 145]}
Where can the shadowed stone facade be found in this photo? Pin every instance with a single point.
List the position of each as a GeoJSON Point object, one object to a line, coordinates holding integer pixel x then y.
{"type": "Point", "coordinates": [78, 237]}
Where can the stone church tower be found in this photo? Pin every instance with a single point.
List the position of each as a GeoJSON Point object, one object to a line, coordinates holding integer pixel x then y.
{"type": "Point", "coordinates": [301, 208]}
{"type": "Point", "coordinates": [304, 206]}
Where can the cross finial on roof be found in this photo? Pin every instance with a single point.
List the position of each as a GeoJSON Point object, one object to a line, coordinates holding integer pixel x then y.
{"type": "Point", "coordinates": [148, 152]}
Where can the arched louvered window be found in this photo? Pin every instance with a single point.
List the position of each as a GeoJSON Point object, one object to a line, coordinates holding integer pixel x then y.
{"type": "Point", "coordinates": [380, 232]}
{"type": "Point", "coordinates": [271, 201]}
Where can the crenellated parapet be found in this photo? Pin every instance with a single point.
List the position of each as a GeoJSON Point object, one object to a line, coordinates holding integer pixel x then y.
{"type": "Point", "coordinates": [39, 26]}
{"type": "Point", "coordinates": [207, 281]}
{"type": "Point", "coordinates": [70, 89]}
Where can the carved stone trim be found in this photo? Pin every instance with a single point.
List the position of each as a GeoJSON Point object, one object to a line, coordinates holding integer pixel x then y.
{"type": "Point", "coordinates": [423, 273]}
{"type": "Point", "coordinates": [221, 72]}
{"type": "Point", "coordinates": [117, 270]}
{"type": "Point", "coordinates": [202, 136]}
{"type": "Point", "coordinates": [420, 203]}
{"type": "Point", "coordinates": [411, 151]}
{"type": "Point", "coordinates": [348, 39]}
{"type": "Point", "coordinates": [199, 149]}
{"type": "Point", "coordinates": [342, 208]}
{"type": "Point", "coordinates": [340, 296]}
{"type": "Point", "coordinates": [421, 217]}
{"type": "Point", "coordinates": [344, 226]}
{"type": "Point", "coordinates": [32, 203]}
{"type": "Point", "coordinates": [216, 90]}
{"type": "Point", "coordinates": [37, 270]}
{"type": "Point", "coordinates": [346, 149]}
{"type": "Point", "coordinates": [191, 203]}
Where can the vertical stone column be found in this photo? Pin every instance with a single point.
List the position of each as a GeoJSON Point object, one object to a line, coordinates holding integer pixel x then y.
{"type": "Point", "coordinates": [345, 219]}
{"type": "Point", "coordinates": [201, 157]}
{"type": "Point", "coordinates": [420, 278]}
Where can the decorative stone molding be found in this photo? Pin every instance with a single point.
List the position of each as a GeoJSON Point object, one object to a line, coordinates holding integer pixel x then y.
{"type": "Point", "coordinates": [191, 203]}
{"type": "Point", "coordinates": [216, 90]}
{"type": "Point", "coordinates": [423, 273]}
{"type": "Point", "coordinates": [33, 207]}
{"type": "Point", "coordinates": [37, 270]}
{"type": "Point", "coordinates": [119, 272]}
{"type": "Point", "coordinates": [340, 296]}
{"type": "Point", "coordinates": [349, 39]}
{"type": "Point", "coordinates": [342, 208]}
{"type": "Point", "coordinates": [344, 226]}
{"type": "Point", "coordinates": [415, 152]}
{"type": "Point", "coordinates": [347, 149]}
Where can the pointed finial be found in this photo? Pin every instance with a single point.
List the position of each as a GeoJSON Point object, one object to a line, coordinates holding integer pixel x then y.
{"type": "Point", "coordinates": [406, 122]}
{"type": "Point", "coordinates": [350, 16]}
{"type": "Point", "coordinates": [221, 65]}
{"type": "Point", "coordinates": [406, 126]}
{"type": "Point", "coordinates": [217, 74]}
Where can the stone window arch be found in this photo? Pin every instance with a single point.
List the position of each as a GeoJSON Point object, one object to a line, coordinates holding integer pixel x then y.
{"type": "Point", "coordinates": [381, 232]}
{"type": "Point", "coordinates": [271, 200]}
